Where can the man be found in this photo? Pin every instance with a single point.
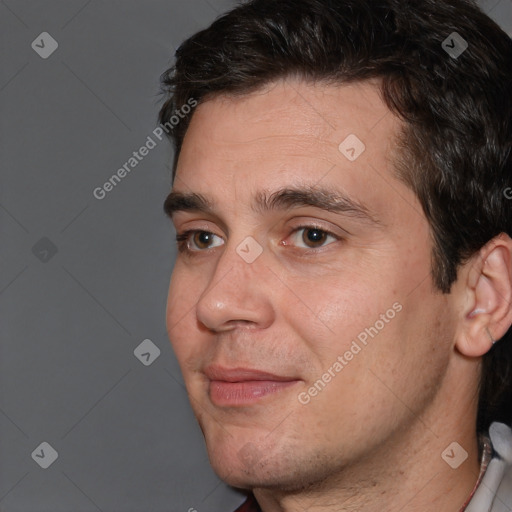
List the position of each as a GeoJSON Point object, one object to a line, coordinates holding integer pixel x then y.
{"type": "Point", "coordinates": [341, 302]}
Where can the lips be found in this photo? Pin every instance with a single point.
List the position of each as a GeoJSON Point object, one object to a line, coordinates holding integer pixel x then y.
{"type": "Point", "coordinates": [216, 372]}
{"type": "Point", "coordinates": [243, 386]}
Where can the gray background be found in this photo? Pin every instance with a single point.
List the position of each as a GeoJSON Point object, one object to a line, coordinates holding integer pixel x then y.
{"type": "Point", "coordinates": [84, 281]}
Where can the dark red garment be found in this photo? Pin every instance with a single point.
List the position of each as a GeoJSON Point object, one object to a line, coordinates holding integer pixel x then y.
{"type": "Point", "coordinates": [250, 505]}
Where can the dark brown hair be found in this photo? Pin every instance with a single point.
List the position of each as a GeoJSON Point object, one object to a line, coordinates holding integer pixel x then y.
{"type": "Point", "coordinates": [454, 150]}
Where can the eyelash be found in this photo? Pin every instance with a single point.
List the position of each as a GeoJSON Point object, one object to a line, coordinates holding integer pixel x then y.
{"type": "Point", "coordinates": [183, 238]}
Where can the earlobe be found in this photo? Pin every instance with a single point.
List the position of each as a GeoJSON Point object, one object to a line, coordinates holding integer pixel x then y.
{"type": "Point", "coordinates": [489, 288]}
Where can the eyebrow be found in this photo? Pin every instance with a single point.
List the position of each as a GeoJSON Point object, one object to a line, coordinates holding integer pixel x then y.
{"type": "Point", "coordinates": [281, 199]}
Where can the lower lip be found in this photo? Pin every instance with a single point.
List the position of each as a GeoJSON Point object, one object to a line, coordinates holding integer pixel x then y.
{"type": "Point", "coordinates": [224, 393]}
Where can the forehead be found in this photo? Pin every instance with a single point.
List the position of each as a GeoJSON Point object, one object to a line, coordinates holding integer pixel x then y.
{"type": "Point", "coordinates": [310, 117]}
{"type": "Point", "coordinates": [292, 133]}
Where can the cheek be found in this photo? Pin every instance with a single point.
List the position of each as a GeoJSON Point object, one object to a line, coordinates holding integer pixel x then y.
{"type": "Point", "coordinates": [180, 312]}
{"type": "Point", "coordinates": [371, 368]}
{"type": "Point", "coordinates": [335, 308]}
{"type": "Point", "coordinates": [185, 288]}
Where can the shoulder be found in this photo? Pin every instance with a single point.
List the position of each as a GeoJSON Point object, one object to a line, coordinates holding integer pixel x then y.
{"type": "Point", "coordinates": [501, 438]}
{"type": "Point", "coordinates": [494, 494]}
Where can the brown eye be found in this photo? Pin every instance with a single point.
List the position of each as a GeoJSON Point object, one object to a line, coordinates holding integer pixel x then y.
{"type": "Point", "coordinates": [195, 241]}
{"type": "Point", "coordinates": [202, 239]}
{"type": "Point", "coordinates": [313, 237]}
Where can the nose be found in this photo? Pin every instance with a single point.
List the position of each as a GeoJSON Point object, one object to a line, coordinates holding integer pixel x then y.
{"type": "Point", "coordinates": [239, 293]}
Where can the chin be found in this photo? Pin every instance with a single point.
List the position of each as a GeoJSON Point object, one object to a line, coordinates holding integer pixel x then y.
{"type": "Point", "coordinates": [247, 468]}
{"type": "Point", "coordinates": [249, 478]}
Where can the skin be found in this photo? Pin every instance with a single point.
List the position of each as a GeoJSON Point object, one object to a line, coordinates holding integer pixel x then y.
{"type": "Point", "coordinates": [372, 438]}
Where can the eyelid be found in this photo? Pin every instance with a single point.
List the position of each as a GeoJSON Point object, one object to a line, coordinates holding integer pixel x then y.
{"type": "Point", "coordinates": [329, 226]}
{"type": "Point", "coordinates": [320, 224]}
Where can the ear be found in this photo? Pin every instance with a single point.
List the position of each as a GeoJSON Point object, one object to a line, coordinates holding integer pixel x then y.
{"type": "Point", "coordinates": [487, 314]}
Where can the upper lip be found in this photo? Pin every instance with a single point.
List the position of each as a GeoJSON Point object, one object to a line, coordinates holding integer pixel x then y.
{"type": "Point", "coordinates": [216, 372]}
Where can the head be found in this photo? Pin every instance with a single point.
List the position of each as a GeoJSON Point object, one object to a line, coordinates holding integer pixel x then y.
{"type": "Point", "coordinates": [419, 222]}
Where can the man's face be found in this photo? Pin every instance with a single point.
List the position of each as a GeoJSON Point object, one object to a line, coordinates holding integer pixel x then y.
{"type": "Point", "coordinates": [333, 301]}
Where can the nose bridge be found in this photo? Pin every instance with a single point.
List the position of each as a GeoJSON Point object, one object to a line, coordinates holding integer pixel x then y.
{"type": "Point", "coordinates": [236, 292]}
